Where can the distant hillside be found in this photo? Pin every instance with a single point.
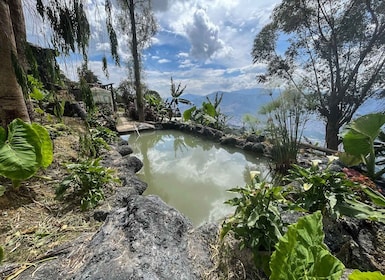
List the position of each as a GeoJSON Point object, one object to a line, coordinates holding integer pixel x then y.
{"type": "Point", "coordinates": [235, 104]}
{"type": "Point", "coordinates": [238, 103]}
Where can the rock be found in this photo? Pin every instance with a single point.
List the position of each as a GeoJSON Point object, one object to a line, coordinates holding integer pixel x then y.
{"type": "Point", "coordinates": [258, 148]}
{"type": "Point", "coordinates": [255, 138]}
{"type": "Point", "coordinates": [248, 146]}
{"type": "Point", "coordinates": [228, 141]}
{"type": "Point", "coordinates": [359, 244]}
{"type": "Point", "coordinates": [132, 163]}
{"type": "Point", "coordinates": [125, 150]}
{"type": "Point", "coordinates": [147, 239]}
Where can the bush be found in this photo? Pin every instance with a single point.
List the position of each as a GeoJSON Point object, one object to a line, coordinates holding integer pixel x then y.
{"type": "Point", "coordinates": [87, 179]}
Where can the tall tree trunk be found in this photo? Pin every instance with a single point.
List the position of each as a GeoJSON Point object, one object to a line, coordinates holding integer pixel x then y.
{"type": "Point", "coordinates": [18, 25]}
{"type": "Point", "coordinates": [12, 104]}
{"type": "Point", "coordinates": [332, 130]}
{"type": "Point", "coordinates": [20, 32]}
{"type": "Point", "coordinates": [135, 55]}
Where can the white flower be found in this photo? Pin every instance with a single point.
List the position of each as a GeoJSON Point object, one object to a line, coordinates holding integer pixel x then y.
{"type": "Point", "coordinates": [332, 158]}
{"type": "Point", "coordinates": [315, 162]}
{"type": "Point", "coordinates": [307, 186]}
{"type": "Point", "coordinates": [254, 173]}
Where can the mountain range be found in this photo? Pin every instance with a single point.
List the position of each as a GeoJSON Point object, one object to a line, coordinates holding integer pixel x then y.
{"type": "Point", "coordinates": [236, 104]}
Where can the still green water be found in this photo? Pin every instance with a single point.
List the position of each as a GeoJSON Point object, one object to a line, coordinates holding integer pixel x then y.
{"type": "Point", "coordinates": [192, 174]}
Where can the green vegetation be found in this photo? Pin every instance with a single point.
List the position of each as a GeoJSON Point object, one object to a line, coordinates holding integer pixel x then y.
{"type": "Point", "coordinates": [24, 149]}
{"type": "Point", "coordinates": [315, 188]}
{"type": "Point", "coordinates": [287, 116]}
{"type": "Point", "coordinates": [176, 92]}
{"type": "Point", "coordinates": [87, 180]}
{"type": "Point", "coordinates": [333, 55]}
{"type": "Point", "coordinates": [358, 139]}
{"type": "Point", "coordinates": [1, 254]}
{"type": "Point", "coordinates": [301, 253]}
{"type": "Point", "coordinates": [358, 275]}
{"type": "Point", "coordinates": [256, 221]}
{"type": "Point", "coordinates": [209, 114]}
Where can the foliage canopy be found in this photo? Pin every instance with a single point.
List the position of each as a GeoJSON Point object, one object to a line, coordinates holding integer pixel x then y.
{"type": "Point", "coordinates": [335, 50]}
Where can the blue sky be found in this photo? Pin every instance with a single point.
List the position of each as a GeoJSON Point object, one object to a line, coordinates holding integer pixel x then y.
{"type": "Point", "coordinates": [204, 44]}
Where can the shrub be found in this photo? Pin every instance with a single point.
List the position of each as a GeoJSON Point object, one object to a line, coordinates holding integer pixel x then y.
{"type": "Point", "coordinates": [256, 221]}
{"type": "Point", "coordinates": [87, 179]}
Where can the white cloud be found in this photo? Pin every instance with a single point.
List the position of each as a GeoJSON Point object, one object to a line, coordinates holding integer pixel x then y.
{"type": "Point", "coordinates": [203, 36]}
{"type": "Point", "coordinates": [162, 61]}
{"type": "Point", "coordinates": [208, 46]}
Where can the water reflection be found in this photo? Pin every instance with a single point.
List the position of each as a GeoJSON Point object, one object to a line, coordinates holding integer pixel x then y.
{"type": "Point", "coordinates": [190, 173]}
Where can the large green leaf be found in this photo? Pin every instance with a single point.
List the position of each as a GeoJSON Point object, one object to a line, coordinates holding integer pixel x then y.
{"type": "Point", "coordinates": [360, 210]}
{"type": "Point", "coordinates": [20, 155]}
{"type": "Point", "coordinates": [369, 125]}
{"type": "Point", "coordinates": [301, 253]}
{"type": "Point", "coordinates": [188, 113]}
{"type": "Point", "coordinates": [358, 275]}
{"type": "Point", "coordinates": [45, 144]}
{"type": "Point", "coordinates": [358, 138]}
{"type": "Point", "coordinates": [209, 109]}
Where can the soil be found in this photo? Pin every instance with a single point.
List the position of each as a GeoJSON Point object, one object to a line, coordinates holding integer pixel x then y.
{"type": "Point", "coordinates": [32, 221]}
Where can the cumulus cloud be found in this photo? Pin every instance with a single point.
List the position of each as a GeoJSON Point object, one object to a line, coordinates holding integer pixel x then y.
{"type": "Point", "coordinates": [203, 36]}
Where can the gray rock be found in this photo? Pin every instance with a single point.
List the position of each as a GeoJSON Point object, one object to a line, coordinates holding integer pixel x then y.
{"type": "Point", "coordinates": [359, 244]}
{"type": "Point", "coordinates": [228, 140]}
{"type": "Point", "coordinates": [255, 138]}
{"type": "Point", "coordinates": [147, 239]}
{"type": "Point", "coordinates": [132, 163]}
{"type": "Point", "coordinates": [258, 148]}
{"type": "Point", "coordinates": [125, 150]}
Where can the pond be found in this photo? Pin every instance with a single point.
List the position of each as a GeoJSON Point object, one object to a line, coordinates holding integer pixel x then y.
{"type": "Point", "coordinates": [192, 174]}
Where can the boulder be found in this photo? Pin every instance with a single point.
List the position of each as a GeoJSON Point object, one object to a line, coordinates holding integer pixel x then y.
{"type": "Point", "coordinates": [147, 239]}
{"type": "Point", "coordinates": [125, 150]}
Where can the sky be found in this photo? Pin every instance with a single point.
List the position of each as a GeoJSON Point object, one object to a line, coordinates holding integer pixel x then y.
{"type": "Point", "coordinates": [203, 44]}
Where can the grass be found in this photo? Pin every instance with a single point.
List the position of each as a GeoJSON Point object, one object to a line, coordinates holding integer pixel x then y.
{"type": "Point", "coordinates": [32, 222]}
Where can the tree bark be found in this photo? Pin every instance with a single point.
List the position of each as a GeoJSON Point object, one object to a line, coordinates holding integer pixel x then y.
{"type": "Point", "coordinates": [18, 25]}
{"type": "Point", "coordinates": [135, 55]}
{"type": "Point", "coordinates": [332, 130]}
{"type": "Point", "coordinates": [12, 104]}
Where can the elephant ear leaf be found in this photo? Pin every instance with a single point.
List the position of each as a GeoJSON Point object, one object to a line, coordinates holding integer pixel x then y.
{"type": "Point", "coordinates": [46, 148]}
{"type": "Point", "coordinates": [301, 251]}
{"type": "Point", "coordinates": [20, 154]}
{"type": "Point", "coordinates": [358, 138]}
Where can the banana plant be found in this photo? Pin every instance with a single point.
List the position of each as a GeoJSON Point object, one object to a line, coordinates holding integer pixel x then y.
{"type": "Point", "coordinates": [358, 141]}
{"type": "Point", "coordinates": [24, 148]}
{"type": "Point", "coordinates": [176, 92]}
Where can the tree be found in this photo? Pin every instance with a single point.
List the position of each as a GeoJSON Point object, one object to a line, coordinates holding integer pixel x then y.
{"type": "Point", "coordinates": [87, 74]}
{"type": "Point", "coordinates": [70, 32]}
{"type": "Point", "coordinates": [335, 50]}
{"type": "Point", "coordinates": [137, 19]}
{"type": "Point", "coordinates": [12, 103]}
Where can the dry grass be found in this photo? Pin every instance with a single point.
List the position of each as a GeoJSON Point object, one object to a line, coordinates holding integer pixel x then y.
{"type": "Point", "coordinates": [231, 263]}
{"type": "Point", "coordinates": [31, 220]}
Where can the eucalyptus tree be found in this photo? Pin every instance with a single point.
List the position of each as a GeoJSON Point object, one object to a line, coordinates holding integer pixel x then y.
{"type": "Point", "coordinates": [333, 49]}
{"type": "Point", "coordinates": [137, 20]}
